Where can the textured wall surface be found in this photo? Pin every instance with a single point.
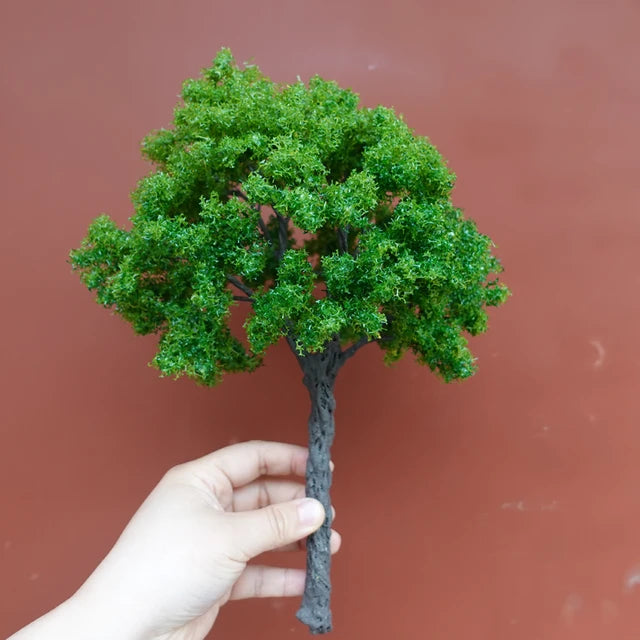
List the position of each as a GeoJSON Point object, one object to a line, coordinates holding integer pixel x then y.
{"type": "Point", "coordinates": [503, 507]}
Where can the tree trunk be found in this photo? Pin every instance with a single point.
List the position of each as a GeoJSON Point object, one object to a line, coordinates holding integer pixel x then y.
{"type": "Point", "coordinates": [320, 370]}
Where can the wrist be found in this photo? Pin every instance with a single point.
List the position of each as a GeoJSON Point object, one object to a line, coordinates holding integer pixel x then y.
{"type": "Point", "coordinates": [105, 616]}
{"type": "Point", "coordinates": [79, 618]}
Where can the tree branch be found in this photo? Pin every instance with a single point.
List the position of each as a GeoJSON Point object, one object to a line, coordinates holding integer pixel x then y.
{"type": "Point", "coordinates": [343, 239]}
{"type": "Point", "coordinates": [265, 231]}
{"type": "Point", "coordinates": [257, 207]}
{"type": "Point", "coordinates": [283, 235]}
{"type": "Point", "coordinates": [292, 342]}
{"type": "Point", "coordinates": [292, 345]}
{"type": "Point", "coordinates": [240, 285]}
{"type": "Point", "coordinates": [240, 194]}
{"type": "Point", "coordinates": [386, 336]}
{"type": "Point", "coordinates": [356, 346]}
{"type": "Point", "coordinates": [243, 299]}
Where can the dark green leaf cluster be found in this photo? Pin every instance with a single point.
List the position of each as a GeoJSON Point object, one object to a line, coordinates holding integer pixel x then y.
{"type": "Point", "coordinates": [329, 219]}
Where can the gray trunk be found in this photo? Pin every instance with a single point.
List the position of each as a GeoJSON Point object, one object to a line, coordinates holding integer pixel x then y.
{"type": "Point", "coordinates": [320, 370]}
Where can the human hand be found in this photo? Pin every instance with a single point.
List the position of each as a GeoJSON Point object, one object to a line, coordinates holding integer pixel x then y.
{"type": "Point", "coordinates": [185, 552]}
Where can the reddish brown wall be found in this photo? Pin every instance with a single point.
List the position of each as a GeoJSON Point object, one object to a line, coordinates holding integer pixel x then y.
{"type": "Point", "coordinates": [504, 507]}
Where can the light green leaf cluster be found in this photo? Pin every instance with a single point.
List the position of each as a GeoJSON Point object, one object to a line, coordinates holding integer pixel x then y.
{"type": "Point", "coordinates": [327, 218]}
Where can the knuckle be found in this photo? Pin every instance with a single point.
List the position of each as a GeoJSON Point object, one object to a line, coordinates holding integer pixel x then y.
{"type": "Point", "coordinates": [286, 587]}
{"type": "Point", "coordinates": [174, 473]}
{"type": "Point", "coordinates": [264, 499]}
{"type": "Point", "coordinates": [278, 523]}
{"type": "Point", "coordinates": [258, 584]}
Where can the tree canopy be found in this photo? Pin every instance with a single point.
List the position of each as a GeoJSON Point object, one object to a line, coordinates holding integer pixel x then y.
{"type": "Point", "coordinates": [330, 220]}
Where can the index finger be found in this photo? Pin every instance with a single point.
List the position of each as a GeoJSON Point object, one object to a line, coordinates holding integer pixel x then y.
{"type": "Point", "coordinates": [244, 462]}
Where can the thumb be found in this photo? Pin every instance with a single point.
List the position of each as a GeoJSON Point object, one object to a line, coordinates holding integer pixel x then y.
{"type": "Point", "coordinates": [276, 525]}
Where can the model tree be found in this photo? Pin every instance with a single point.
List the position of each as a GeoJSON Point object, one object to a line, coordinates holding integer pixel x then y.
{"type": "Point", "coordinates": [332, 222]}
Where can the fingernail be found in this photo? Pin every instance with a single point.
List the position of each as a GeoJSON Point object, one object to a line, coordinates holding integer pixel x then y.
{"type": "Point", "coordinates": [310, 512]}
{"type": "Point", "coordinates": [331, 465]}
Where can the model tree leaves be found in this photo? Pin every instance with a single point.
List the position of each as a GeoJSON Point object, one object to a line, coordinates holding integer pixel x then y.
{"type": "Point", "coordinates": [332, 222]}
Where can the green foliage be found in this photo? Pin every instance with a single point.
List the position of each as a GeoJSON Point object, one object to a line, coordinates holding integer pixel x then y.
{"type": "Point", "coordinates": [329, 219]}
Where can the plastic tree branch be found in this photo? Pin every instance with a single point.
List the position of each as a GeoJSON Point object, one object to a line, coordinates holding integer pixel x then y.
{"type": "Point", "coordinates": [283, 235]}
{"type": "Point", "coordinates": [240, 285]}
{"type": "Point", "coordinates": [354, 348]}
